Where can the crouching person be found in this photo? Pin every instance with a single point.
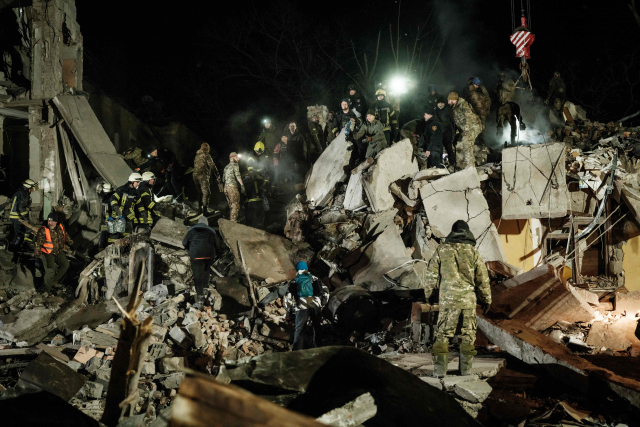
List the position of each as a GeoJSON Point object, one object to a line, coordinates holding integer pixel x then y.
{"type": "Point", "coordinates": [49, 246]}
{"type": "Point", "coordinates": [202, 242]}
{"type": "Point", "coordinates": [459, 272]}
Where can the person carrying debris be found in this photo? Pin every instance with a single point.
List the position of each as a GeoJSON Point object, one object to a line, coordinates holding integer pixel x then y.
{"type": "Point", "coordinates": [254, 205]}
{"type": "Point", "coordinates": [202, 242]}
{"type": "Point", "coordinates": [344, 116]}
{"type": "Point", "coordinates": [134, 154]}
{"type": "Point", "coordinates": [431, 139]}
{"type": "Point", "coordinates": [386, 115]}
{"type": "Point", "coordinates": [147, 215]}
{"type": "Point", "coordinates": [107, 214]}
{"type": "Point", "coordinates": [20, 203]}
{"type": "Point", "coordinates": [461, 277]}
{"type": "Point", "coordinates": [124, 199]}
{"type": "Point", "coordinates": [445, 116]}
{"type": "Point", "coordinates": [203, 165]}
{"type": "Point", "coordinates": [268, 137]}
{"type": "Point", "coordinates": [469, 126]}
{"type": "Point", "coordinates": [373, 134]}
{"type": "Point", "coordinates": [49, 246]}
{"type": "Point", "coordinates": [317, 141]}
{"type": "Point", "coordinates": [356, 101]}
{"type": "Point", "coordinates": [231, 179]}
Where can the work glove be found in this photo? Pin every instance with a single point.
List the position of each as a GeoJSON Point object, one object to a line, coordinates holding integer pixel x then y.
{"type": "Point", "coordinates": [243, 191]}
{"type": "Point", "coordinates": [486, 308]}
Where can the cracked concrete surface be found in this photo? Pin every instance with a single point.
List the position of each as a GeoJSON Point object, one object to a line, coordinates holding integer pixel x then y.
{"type": "Point", "coordinates": [458, 196]}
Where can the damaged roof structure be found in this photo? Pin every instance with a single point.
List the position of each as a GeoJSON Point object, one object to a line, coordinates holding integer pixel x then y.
{"type": "Point", "coordinates": [555, 222]}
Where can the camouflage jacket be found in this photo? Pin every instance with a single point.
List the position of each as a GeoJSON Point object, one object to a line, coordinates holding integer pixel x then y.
{"type": "Point", "coordinates": [58, 237]}
{"type": "Point", "coordinates": [317, 135]}
{"type": "Point", "coordinates": [480, 101]}
{"type": "Point", "coordinates": [231, 174]}
{"type": "Point", "coordinates": [458, 271]}
{"type": "Point", "coordinates": [464, 116]}
{"type": "Point", "coordinates": [136, 156]}
{"type": "Point", "coordinates": [203, 164]}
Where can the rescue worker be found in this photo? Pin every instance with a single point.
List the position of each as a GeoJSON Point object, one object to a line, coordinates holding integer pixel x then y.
{"type": "Point", "coordinates": [20, 203]}
{"type": "Point", "coordinates": [445, 116]}
{"type": "Point", "coordinates": [431, 140]}
{"type": "Point", "coordinates": [306, 297]}
{"type": "Point", "coordinates": [202, 242]}
{"type": "Point", "coordinates": [469, 127]}
{"type": "Point", "coordinates": [460, 277]}
{"type": "Point", "coordinates": [373, 134]}
{"type": "Point", "coordinates": [268, 137]}
{"type": "Point", "coordinates": [107, 214]}
{"type": "Point", "coordinates": [134, 154]}
{"type": "Point", "coordinates": [508, 113]}
{"type": "Point", "coordinates": [124, 200]}
{"type": "Point", "coordinates": [260, 162]}
{"type": "Point", "coordinates": [254, 205]}
{"type": "Point", "coordinates": [386, 115]}
{"type": "Point", "coordinates": [298, 149]}
{"type": "Point", "coordinates": [432, 98]}
{"type": "Point", "coordinates": [151, 162]}
{"type": "Point", "coordinates": [203, 165]}
{"type": "Point", "coordinates": [328, 134]}
{"type": "Point", "coordinates": [357, 101]}
{"type": "Point", "coordinates": [147, 215]}
{"type": "Point", "coordinates": [344, 116]}
{"type": "Point", "coordinates": [49, 247]}
{"type": "Point", "coordinates": [173, 173]}
{"type": "Point", "coordinates": [231, 179]}
{"type": "Point", "coordinates": [317, 142]}
{"type": "Point", "coordinates": [557, 93]}
{"type": "Point", "coordinates": [481, 102]}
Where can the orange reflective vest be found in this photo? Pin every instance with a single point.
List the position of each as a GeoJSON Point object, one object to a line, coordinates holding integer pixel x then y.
{"type": "Point", "coordinates": [47, 246]}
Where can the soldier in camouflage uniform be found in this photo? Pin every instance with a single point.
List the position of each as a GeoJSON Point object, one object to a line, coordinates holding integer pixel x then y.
{"type": "Point", "coordinates": [459, 273]}
{"type": "Point", "coordinates": [202, 167]}
{"type": "Point", "coordinates": [481, 102]}
{"type": "Point", "coordinates": [231, 178]}
{"type": "Point", "coordinates": [316, 144]}
{"type": "Point", "coordinates": [134, 154]}
{"type": "Point", "coordinates": [469, 127]}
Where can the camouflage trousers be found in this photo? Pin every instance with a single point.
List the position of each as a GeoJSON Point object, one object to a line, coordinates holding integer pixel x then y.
{"type": "Point", "coordinates": [422, 163]}
{"type": "Point", "coordinates": [233, 199]}
{"type": "Point", "coordinates": [506, 116]}
{"type": "Point", "coordinates": [450, 318]}
{"type": "Point", "coordinates": [464, 148]}
{"type": "Point", "coordinates": [204, 188]}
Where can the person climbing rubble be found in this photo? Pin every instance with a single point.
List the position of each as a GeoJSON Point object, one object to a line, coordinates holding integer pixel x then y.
{"type": "Point", "coordinates": [445, 116]}
{"type": "Point", "coordinates": [431, 140]}
{"type": "Point", "coordinates": [231, 179]}
{"type": "Point", "coordinates": [203, 166]}
{"type": "Point", "coordinates": [123, 201]}
{"type": "Point", "coordinates": [459, 274]}
{"type": "Point", "coordinates": [203, 245]}
{"type": "Point", "coordinates": [20, 203]}
{"type": "Point", "coordinates": [557, 92]}
{"type": "Point", "coordinates": [373, 134]}
{"type": "Point", "coordinates": [469, 126]}
{"type": "Point", "coordinates": [481, 102]}
{"type": "Point", "coordinates": [50, 241]}
{"type": "Point", "coordinates": [145, 204]}
{"type": "Point", "coordinates": [107, 214]}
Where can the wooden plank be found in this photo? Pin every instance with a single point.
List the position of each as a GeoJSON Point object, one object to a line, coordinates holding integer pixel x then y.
{"type": "Point", "coordinates": [71, 165]}
{"type": "Point", "coordinates": [20, 351]}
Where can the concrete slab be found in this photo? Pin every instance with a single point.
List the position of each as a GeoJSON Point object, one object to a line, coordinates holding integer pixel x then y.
{"type": "Point", "coordinates": [93, 139]}
{"type": "Point", "coordinates": [534, 182]}
{"type": "Point", "coordinates": [266, 255]}
{"type": "Point", "coordinates": [169, 232]}
{"type": "Point", "coordinates": [458, 196]}
{"type": "Point", "coordinates": [619, 335]}
{"type": "Point", "coordinates": [422, 364]}
{"type": "Point", "coordinates": [628, 302]}
{"type": "Point", "coordinates": [353, 198]}
{"type": "Point", "coordinates": [392, 164]}
{"type": "Point", "coordinates": [451, 381]}
{"type": "Point", "coordinates": [435, 382]}
{"type": "Point", "coordinates": [378, 222]}
{"type": "Point", "coordinates": [328, 171]}
{"type": "Point", "coordinates": [473, 391]}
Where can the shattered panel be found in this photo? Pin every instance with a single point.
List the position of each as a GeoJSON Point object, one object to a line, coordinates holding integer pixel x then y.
{"type": "Point", "coordinates": [534, 183]}
{"type": "Point", "coordinates": [458, 196]}
{"type": "Point", "coordinates": [328, 171]}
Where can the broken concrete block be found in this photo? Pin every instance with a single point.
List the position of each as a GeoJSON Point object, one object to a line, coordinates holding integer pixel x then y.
{"type": "Point", "coordinates": [428, 174]}
{"type": "Point", "coordinates": [328, 171]}
{"type": "Point", "coordinates": [157, 351]}
{"type": "Point", "coordinates": [31, 325]}
{"type": "Point", "coordinates": [470, 408]}
{"type": "Point", "coordinates": [353, 197]}
{"type": "Point", "coordinates": [148, 368]}
{"type": "Point", "coordinates": [168, 318]}
{"type": "Point", "coordinates": [435, 382]}
{"type": "Point", "coordinates": [74, 365]}
{"type": "Point", "coordinates": [618, 336]}
{"type": "Point", "coordinates": [451, 381]}
{"type": "Point", "coordinates": [473, 391]}
{"type": "Point", "coordinates": [534, 183]}
{"type": "Point", "coordinates": [591, 297]}
{"type": "Point", "coordinates": [378, 222]}
{"type": "Point", "coordinates": [504, 269]}
{"type": "Point", "coordinates": [459, 196]}
{"type": "Point", "coordinates": [195, 330]}
{"type": "Point", "coordinates": [266, 255]}
{"type": "Point", "coordinates": [353, 413]}
{"type": "Point", "coordinates": [22, 281]}
{"type": "Point", "coordinates": [215, 299]}
{"type": "Point", "coordinates": [172, 381]}
{"type": "Point", "coordinates": [540, 275]}
{"type": "Point", "coordinates": [92, 390]}
{"type": "Point", "coordinates": [46, 373]}
{"type": "Point", "coordinates": [169, 365]}
{"type": "Point", "coordinates": [368, 264]}
{"type": "Point", "coordinates": [392, 164]}
{"type": "Point", "coordinates": [179, 336]}
{"type": "Point", "coordinates": [628, 302]}
{"type": "Point", "coordinates": [169, 232]}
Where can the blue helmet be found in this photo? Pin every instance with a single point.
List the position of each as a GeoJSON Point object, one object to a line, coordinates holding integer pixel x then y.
{"type": "Point", "coordinates": [301, 265]}
{"type": "Point", "coordinates": [477, 81]}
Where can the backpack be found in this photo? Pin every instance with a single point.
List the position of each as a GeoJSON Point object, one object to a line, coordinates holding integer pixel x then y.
{"type": "Point", "coordinates": [304, 285]}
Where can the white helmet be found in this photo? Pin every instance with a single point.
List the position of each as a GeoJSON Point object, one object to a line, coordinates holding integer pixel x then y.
{"type": "Point", "coordinates": [135, 177]}
{"type": "Point", "coordinates": [107, 188]}
{"type": "Point", "coordinates": [147, 176]}
{"type": "Point", "coordinates": [29, 183]}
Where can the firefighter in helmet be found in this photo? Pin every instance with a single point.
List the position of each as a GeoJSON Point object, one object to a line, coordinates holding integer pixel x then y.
{"type": "Point", "coordinates": [386, 115]}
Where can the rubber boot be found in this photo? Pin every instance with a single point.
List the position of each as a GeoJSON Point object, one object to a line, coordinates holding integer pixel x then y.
{"type": "Point", "coordinates": [467, 352]}
{"type": "Point", "coordinates": [440, 353]}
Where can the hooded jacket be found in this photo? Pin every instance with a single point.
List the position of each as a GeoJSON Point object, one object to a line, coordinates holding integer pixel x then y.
{"type": "Point", "coordinates": [201, 241]}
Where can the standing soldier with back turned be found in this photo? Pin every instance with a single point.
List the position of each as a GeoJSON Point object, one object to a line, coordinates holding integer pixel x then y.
{"type": "Point", "coordinates": [231, 178]}
{"type": "Point", "coordinates": [458, 270]}
{"type": "Point", "coordinates": [202, 167]}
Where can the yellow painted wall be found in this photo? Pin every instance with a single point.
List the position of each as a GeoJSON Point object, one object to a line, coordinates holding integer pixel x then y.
{"type": "Point", "coordinates": [631, 264]}
{"type": "Point", "coordinates": [517, 242]}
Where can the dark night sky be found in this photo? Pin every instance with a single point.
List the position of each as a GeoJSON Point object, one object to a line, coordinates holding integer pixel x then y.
{"type": "Point", "coordinates": [138, 48]}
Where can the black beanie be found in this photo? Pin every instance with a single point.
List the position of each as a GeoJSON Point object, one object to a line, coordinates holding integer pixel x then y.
{"type": "Point", "coordinates": [460, 225]}
{"type": "Point", "coordinates": [53, 216]}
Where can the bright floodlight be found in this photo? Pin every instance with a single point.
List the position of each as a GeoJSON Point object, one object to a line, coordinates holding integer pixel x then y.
{"type": "Point", "coordinates": [398, 85]}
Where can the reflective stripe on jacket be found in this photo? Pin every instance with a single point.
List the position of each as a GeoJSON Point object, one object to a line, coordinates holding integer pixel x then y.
{"type": "Point", "coordinates": [47, 246]}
